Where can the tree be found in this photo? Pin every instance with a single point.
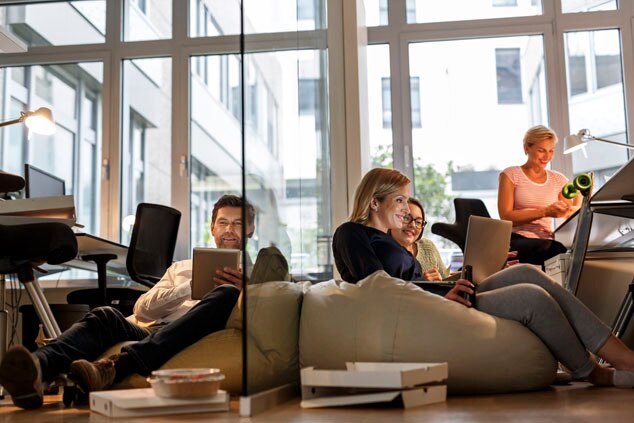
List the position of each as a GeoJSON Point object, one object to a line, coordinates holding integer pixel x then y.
{"type": "Point", "coordinates": [430, 188]}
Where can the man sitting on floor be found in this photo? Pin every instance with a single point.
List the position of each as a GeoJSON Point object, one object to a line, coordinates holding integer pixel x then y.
{"type": "Point", "coordinates": [168, 321]}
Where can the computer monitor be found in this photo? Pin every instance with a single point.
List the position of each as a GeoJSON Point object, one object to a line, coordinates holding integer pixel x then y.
{"type": "Point", "coordinates": [42, 184]}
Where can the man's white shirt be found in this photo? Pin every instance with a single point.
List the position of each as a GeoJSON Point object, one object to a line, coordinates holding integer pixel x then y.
{"type": "Point", "coordinates": [171, 297]}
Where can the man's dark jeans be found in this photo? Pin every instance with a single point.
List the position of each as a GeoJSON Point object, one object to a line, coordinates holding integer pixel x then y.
{"type": "Point", "coordinates": [105, 326]}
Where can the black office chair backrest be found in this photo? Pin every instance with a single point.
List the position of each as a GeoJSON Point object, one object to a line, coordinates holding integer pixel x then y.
{"type": "Point", "coordinates": [152, 243]}
{"type": "Point", "coordinates": [457, 231]}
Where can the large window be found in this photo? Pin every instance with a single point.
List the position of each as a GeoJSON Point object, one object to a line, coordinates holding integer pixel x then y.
{"type": "Point", "coordinates": [469, 134]}
{"type": "Point", "coordinates": [172, 110]}
{"type": "Point", "coordinates": [441, 11]}
{"type": "Point", "coordinates": [574, 6]}
{"type": "Point", "coordinates": [509, 75]}
{"type": "Point", "coordinates": [595, 82]}
{"type": "Point", "coordinates": [145, 135]}
{"type": "Point", "coordinates": [73, 93]}
{"type": "Point", "coordinates": [49, 23]}
{"type": "Point", "coordinates": [147, 19]}
{"type": "Point", "coordinates": [481, 73]}
{"type": "Point", "coordinates": [379, 92]}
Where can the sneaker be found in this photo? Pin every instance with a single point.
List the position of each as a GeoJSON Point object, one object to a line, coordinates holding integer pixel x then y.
{"type": "Point", "coordinates": [21, 376]}
{"type": "Point", "coordinates": [96, 376]}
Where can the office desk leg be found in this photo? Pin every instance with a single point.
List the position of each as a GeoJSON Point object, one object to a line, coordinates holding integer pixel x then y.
{"type": "Point", "coordinates": [42, 309]}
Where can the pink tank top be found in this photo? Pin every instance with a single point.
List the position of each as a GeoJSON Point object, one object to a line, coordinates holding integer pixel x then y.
{"type": "Point", "coordinates": [529, 195]}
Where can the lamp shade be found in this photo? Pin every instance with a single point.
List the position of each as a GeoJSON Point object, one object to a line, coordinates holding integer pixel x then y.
{"type": "Point", "coordinates": [40, 121]}
{"type": "Point", "coordinates": [573, 142]}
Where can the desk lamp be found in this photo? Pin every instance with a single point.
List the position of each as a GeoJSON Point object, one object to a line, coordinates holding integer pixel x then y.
{"type": "Point", "coordinates": [576, 141]}
{"type": "Point", "coordinates": [40, 121]}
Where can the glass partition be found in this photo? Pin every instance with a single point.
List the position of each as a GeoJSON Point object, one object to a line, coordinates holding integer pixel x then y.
{"type": "Point", "coordinates": [286, 171]}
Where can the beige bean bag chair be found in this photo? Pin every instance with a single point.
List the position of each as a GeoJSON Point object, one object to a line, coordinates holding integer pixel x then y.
{"type": "Point", "coordinates": [387, 320]}
{"type": "Point", "coordinates": [272, 352]}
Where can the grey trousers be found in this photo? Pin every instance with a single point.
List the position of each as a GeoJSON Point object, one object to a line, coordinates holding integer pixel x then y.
{"type": "Point", "coordinates": [527, 295]}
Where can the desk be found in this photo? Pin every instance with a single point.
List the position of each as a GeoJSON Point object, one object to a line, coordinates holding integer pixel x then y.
{"type": "Point", "coordinates": [603, 222]}
{"type": "Point", "coordinates": [89, 244]}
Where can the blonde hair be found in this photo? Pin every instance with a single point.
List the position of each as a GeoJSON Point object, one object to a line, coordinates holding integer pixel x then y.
{"type": "Point", "coordinates": [538, 133]}
{"type": "Point", "coordinates": [377, 183]}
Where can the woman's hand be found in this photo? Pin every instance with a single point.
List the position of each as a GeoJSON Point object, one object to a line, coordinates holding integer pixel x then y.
{"type": "Point", "coordinates": [462, 285]}
{"type": "Point", "coordinates": [510, 259]}
{"type": "Point", "coordinates": [557, 209]}
{"type": "Point", "coordinates": [432, 275]}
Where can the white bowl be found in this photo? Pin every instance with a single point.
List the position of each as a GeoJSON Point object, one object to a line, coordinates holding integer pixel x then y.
{"type": "Point", "coordinates": [186, 383]}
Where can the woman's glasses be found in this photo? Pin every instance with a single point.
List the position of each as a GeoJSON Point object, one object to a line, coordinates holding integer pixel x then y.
{"type": "Point", "coordinates": [419, 223]}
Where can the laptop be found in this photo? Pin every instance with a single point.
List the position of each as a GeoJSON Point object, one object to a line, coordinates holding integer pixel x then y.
{"type": "Point", "coordinates": [204, 265]}
{"type": "Point", "coordinates": [486, 246]}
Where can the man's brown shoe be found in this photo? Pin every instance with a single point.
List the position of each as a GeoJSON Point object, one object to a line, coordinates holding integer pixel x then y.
{"type": "Point", "coordinates": [95, 376]}
{"type": "Point", "coordinates": [21, 376]}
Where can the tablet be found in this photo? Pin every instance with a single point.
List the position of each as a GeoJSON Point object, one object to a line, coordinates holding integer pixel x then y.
{"type": "Point", "coordinates": [204, 265]}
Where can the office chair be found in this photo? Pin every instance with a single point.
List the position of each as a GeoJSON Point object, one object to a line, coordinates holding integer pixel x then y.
{"type": "Point", "coordinates": [149, 255]}
{"type": "Point", "coordinates": [152, 243]}
{"type": "Point", "coordinates": [457, 231]}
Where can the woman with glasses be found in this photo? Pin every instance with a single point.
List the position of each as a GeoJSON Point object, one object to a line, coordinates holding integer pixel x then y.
{"type": "Point", "coordinates": [410, 236]}
{"type": "Point", "coordinates": [362, 246]}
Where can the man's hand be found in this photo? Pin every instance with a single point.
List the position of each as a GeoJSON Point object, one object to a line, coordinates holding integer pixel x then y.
{"type": "Point", "coordinates": [230, 276]}
{"type": "Point", "coordinates": [462, 285]}
{"type": "Point", "coordinates": [432, 275]}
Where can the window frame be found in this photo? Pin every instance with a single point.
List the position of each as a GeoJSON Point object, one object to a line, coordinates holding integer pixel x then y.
{"type": "Point", "coordinates": [551, 24]}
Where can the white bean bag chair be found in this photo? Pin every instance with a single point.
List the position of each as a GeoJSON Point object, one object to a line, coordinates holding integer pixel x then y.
{"type": "Point", "coordinates": [384, 319]}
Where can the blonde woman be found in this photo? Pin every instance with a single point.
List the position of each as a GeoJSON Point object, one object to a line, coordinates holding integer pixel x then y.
{"type": "Point", "coordinates": [530, 196]}
{"type": "Point", "coordinates": [362, 245]}
{"type": "Point", "coordinates": [522, 293]}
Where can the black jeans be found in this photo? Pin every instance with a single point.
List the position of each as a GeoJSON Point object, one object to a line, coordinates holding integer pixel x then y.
{"type": "Point", "coordinates": [535, 250]}
{"type": "Point", "coordinates": [105, 326]}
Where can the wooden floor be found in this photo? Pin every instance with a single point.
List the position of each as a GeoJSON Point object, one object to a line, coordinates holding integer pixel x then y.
{"type": "Point", "coordinates": [578, 402]}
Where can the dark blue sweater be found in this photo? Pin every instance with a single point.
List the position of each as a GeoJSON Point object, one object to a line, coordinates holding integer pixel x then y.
{"type": "Point", "coordinates": [360, 250]}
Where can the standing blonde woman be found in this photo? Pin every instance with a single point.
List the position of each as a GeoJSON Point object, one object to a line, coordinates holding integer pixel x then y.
{"type": "Point", "coordinates": [530, 196]}
{"type": "Point", "coordinates": [522, 293]}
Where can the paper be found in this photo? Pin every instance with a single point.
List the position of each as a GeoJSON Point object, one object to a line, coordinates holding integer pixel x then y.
{"type": "Point", "coordinates": [377, 375]}
{"type": "Point", "coordinates": [143, 402]}
{"type": "Point", "coordinates": [413, 384]}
